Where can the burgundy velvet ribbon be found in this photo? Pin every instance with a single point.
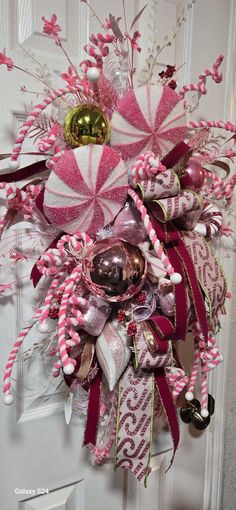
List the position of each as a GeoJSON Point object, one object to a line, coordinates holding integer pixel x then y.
{"type": "Point", "coordinates": [175, 155]}
{"type": "Point", "coordinates": [196, 292]}
{"type": "Point", "coordinates": [162, 329]}
{"type": "Point", "coordinates": [166, 329]}
{"type": "Point", "coordinates": [35, 274]}
{"type": "Point", "coordinates": [90, 433]}
{"type": "Point", "coordinates": [24, 173]}
{"type": "Point", "coordinates": [168, 234]}
{"type": "Point", "coordinates": [168, 404]}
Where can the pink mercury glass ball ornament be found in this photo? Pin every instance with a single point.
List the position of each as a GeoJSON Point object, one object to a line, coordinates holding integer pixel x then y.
{"type": "Point", "coordinates": [197, 174]}
{"type": "Point", "coordinates": [128, 226]}
{"type": "Point", "coordinates": [114, 269]}
{"type": "Point", "coordinates": [167, 300]}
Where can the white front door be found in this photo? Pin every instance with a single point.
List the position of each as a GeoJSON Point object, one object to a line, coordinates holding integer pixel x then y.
{"type": "Point", "coordinates": [39, 452]}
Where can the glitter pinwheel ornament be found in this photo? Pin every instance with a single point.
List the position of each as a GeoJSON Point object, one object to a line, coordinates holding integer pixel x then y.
{"type": "Point", "coordinates": [128, 194]}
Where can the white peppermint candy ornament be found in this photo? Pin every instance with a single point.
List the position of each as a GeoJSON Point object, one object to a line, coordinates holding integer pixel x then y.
{"type": "Point", "coordinates": [151, 117]}
{"type": "Point", "coordinates": [86, 189]}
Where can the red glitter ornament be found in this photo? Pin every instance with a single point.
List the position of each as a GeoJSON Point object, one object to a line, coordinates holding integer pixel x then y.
{"type": "Point", "coordinates": [141, 298]}
{"type": "Point", "coordinates": [53, 313]}
{"type": "Point", "coordinates": [132, 329]}
{"type": "Point", "coordinates": [172, 84]}
{"type": "Point", "coordinates": [121, 316]}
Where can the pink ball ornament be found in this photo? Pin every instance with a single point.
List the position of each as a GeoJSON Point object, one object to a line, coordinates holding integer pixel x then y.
{"type": "Point", "coordinates": [114, 269]}
{"type": "Point", "coordinates": [196, 173]}
{"type": "Point", "coordinates": [167, 300]}
{"type": "Point", "coordinates": [129, 227]}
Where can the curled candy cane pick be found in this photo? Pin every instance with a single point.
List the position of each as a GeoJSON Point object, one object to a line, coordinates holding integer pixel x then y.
{"type": "Point", "coordinates": [174, 277]}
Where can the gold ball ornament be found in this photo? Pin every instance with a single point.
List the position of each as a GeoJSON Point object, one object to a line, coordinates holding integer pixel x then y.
{"type": "Point", "coordinates": [86, 124]}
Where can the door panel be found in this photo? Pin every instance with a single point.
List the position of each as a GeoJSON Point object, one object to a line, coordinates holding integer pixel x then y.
{"type": "Point", "coordinates": [38, 448]}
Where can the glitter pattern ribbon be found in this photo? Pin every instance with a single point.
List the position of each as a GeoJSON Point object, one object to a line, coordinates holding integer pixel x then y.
{"type": "Point", "coordinates": [209, 272]}
{"type": "Point", "coordinates": [167, 209]}
{"type": "Point", "coordinates": [134, 421]}
{"type": "Point", "coordinates": [147, 354]}
{"type": "Point", "coordinates": [162, 185]}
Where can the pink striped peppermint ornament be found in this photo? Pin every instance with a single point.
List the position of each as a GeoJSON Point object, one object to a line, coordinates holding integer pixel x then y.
{"type": "Point", "coordinates": [86, 189]}
{"type": "Point", "coordinates": [151, 117]}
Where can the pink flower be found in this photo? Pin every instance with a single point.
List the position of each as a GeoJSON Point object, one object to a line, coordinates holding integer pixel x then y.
{"type": "Point", "coordinates": [15, 256]}
{"type": "Point", "coordinates": [133, 41]}
{"type": "Point", "coordinates": [6, 60]}
{"type": "Point", "coordinates": [225, 230]}
{"type": "Point", "coordinates": [50, 27]}
{"type": "Point", "coordinates": [71, 77]}
{"type": "Point", "coordinates": [4, 287]}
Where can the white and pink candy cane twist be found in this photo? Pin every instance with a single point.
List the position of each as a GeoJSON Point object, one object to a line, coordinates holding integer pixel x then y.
{"type": "Point", "coordinates": [46, 143]}
{"type": "Point", "coordinates": [218, 124]}
{"type": "Point", "coordinates": [200, 86]}
{"type": "Point", "coordinates": [174, 277]}
{"type": "Point", "coordinates": [195, 369]}
{"type": "Point", "coordinates": [229, 188]}
{"type": "Point", "coordinates": [204, 395]}
{"type": "Point", "coordinates": [210, 354]}
{"type": "Point", "coordinates": [146, 166]}
{"type": "Point", "coordinates": [11, 193]}
{"type": "Point", "coordinates": [50, 295]}
{"type": "Point", "coordinates": [206, 357]}
{"type": "Point", "coordinates": [32, 191]}
{"type": "Point", "coordinates": [72, 341]}
{"type": "Point", "coordinates": [216, 75]}
{"type": "Point", "coordinates": [58, 152]}
{"type": "Point", "coordinates": [93, 76]}
{"type": "Point", "coordinates": [49, 262]}
{"type": "Point", "coordinates": [101, 39]}
{"type": "Point", "coordinates": [177, 379]}
{"type": "Point", "coordinates": [71, 282]}
{"type": "Point", "coordinates": [73, 243]}
{"type": "Point", "coordinates": [57, 367]}
{"type": "Point", "coordinates": [210, 358]}
{"type": "Point", "coordinates": [98, 50]}
{"type": "Point", "coordinates": [53, 96]}
{"type": "Point", "coordinates": [8, 396]}
{"type": "Point", "coordinates": [210, 221]}
{"type": "Point", "coordinates": [217, 186]}
{"type": "Point", "coordinates": [222, 188]}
